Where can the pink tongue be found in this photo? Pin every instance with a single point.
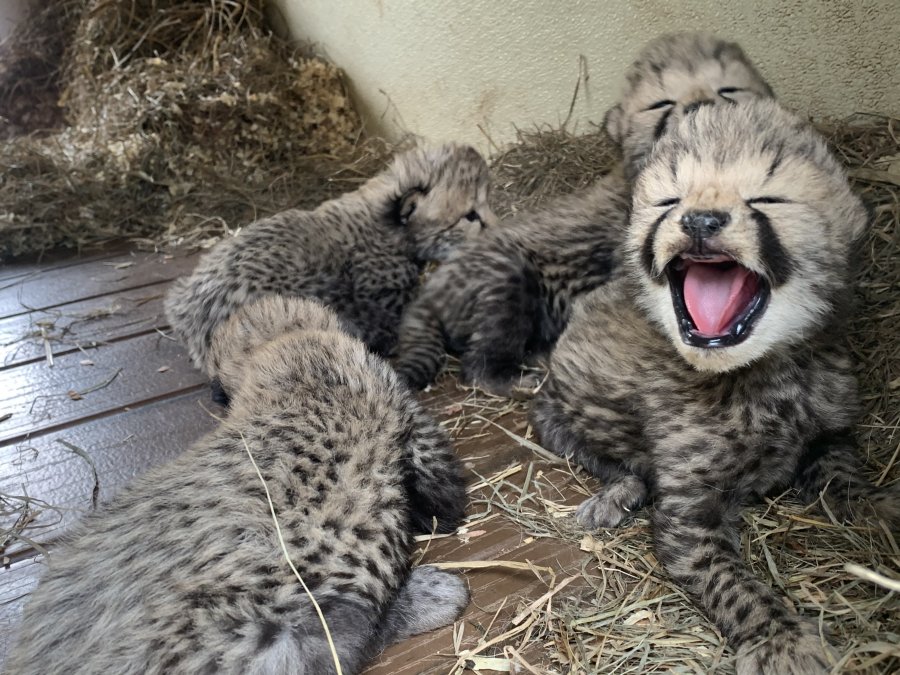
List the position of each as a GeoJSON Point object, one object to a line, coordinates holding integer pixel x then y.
{"type": "Point", "coordinates": [713, 296]}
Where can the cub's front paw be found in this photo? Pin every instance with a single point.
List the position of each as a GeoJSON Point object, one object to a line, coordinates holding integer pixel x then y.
{"type": "Point", "coordinates": [521, 386]}
{"type": "Point", "coordinates": [787, 653]}
{"type": "Point", "coordinates": [613, 504]}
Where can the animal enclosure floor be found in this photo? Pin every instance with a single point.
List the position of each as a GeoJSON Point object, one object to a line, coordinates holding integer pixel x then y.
{"type": "Point", "coordinates": [95, 391]}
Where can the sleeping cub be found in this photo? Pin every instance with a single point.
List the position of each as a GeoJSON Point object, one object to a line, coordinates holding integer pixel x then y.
{"type": "Point", "coordinates": [361, 254]}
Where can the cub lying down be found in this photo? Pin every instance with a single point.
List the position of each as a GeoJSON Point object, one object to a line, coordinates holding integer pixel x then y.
{"type": "Point", "coordinates": [183, 571]}
{"type": "Point", "coordinates": [716, 371]}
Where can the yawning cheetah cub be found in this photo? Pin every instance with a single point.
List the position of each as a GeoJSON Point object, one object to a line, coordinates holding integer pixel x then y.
{"type": "Point", "coordinates": [716, 371]}
{"type": "Point", "coordinates": [183, 572]}
{"type": "Point", "coordinates": [360, 254]}
{"type": "Point", "coordinates": [508, 294]}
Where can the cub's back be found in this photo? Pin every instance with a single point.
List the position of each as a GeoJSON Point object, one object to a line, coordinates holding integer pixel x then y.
{"type": "Point", "coordinates": [183, 571]}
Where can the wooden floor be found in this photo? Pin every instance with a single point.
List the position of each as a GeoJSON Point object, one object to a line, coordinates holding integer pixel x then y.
{"type": "Point", "coordinates": [94, 391]}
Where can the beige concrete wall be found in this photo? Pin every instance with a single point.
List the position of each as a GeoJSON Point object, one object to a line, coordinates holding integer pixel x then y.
{"type": "Point", "coordinates": [443, 68]}
{"type": "Point", "coordinates": [11, 12]}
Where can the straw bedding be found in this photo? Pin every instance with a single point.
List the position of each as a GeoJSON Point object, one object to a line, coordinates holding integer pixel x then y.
{"type": "Point", "coordinates": [182, 120]}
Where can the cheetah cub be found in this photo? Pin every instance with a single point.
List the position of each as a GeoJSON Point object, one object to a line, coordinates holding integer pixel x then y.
{"type": "Point", "coordinates": [507, 295]}
{"type": "Point", "coordinates": [183, 571]}
{"type": "Point", "coordinates": [360, 254]}
{"type": "Point", "coordinates": [716, 371]}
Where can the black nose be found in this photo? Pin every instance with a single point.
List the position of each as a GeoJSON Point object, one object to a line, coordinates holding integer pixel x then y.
{"type": "Point", "coordinates": [691, 107]}
{"type": "Point", "coordinates": [702, 224]}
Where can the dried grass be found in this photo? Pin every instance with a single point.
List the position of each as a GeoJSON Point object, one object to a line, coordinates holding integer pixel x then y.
{"type": "Point", "coordinates": [183, 118]}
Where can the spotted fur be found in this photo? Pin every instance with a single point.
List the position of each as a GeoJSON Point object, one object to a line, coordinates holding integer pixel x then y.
{"type": "Point", "coordinates": [702, 431]}
{"type": "Point", "coordinates": [183, 571]}
{"type": "Point", "coordinates": [506, 297]}
{"type": "Point", "coordinates": [360, 254]}
{"type": "Point", "coordinates": [675, 74]}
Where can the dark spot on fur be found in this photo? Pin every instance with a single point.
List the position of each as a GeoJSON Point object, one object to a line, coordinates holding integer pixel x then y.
{"type": "Point", "coordinates": [268, 632]}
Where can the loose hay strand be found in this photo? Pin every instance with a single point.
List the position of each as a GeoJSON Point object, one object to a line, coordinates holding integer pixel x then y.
{"type": "Point", "coordinates": [287, 556]}
{"type": "Point", "coordinates": [872, 576]}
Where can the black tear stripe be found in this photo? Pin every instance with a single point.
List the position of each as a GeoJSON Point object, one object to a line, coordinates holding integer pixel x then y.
{"type": "Point", "coordinates": [775, 258]}
{"type": "Point", "coordinates": [673, 166]}
{"type": "Point", "coordinates": [647, 249]}
{"type": "Point", "coordinates": [779, 158]}
{"type": "Point", "coordinates": [661, 125]}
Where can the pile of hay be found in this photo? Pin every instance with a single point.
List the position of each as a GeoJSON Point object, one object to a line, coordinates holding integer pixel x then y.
{"type": "Point", "coordinates": [181, 117]}
{"type": "Point", "coordinates": [30, 69]}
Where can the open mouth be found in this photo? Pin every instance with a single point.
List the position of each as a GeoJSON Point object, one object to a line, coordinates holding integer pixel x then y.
{"type": "Point", "coordinates": [717, 300]}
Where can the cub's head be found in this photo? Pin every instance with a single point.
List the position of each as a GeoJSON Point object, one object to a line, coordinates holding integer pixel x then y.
{"type": "Point", "coordinates": [672, 75]}
{"type": "Point", "coordinates": [442, 197]}
{"type": "Point", "coordinates": [236, 342]}
{"type": "Point", "coordinates": [741, 232]}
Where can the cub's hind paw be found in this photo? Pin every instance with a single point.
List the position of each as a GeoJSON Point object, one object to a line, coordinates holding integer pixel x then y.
{"type": "Point", "coordinates": [430, 599]}
{"type": "Point", "coordinates": [787, 653]}
{"type": "Point", "coordinates": [613, 504]}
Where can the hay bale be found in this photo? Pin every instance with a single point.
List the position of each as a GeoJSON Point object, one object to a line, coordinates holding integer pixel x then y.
{"type": "Point", "coordinates": [180, 113]}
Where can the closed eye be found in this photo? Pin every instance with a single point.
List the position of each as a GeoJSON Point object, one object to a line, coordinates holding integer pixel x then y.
{"type": "Point", "coordinates": [766, 200]}
{"type": "Point", "coordinates": [668, 202]}
{"type": "Point", "coordinates": [660, 104]}
{"type": "Point", "coordinates": [725, 91]}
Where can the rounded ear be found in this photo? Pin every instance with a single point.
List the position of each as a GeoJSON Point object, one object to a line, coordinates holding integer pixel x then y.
{"type": "Point", "coordinates": [612, 122]}
{"type": "Point", "coordinates": [406, 205]}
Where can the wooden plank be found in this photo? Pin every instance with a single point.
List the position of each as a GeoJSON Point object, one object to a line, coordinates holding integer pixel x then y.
{"type": "Point", "coordinates": [80, 324]}
{"type": "Point", "coordinates": [125, 374]}
{"type": "Point", "coordinates": [59, 483]}
{"type": "Point", "coordinates": [17, 581]}
{"type": "Point", "coordinates": [491, 590]}
{"type": "Point", "coordinates": [94, 278]}
{"type": "Point", "coordinates": [55, 259]}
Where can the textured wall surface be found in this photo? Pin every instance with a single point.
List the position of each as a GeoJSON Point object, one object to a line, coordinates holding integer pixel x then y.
{"type": "Point", "coordinates": [444, 69]}
{"type": "Point", "coordinates": [10, 13]}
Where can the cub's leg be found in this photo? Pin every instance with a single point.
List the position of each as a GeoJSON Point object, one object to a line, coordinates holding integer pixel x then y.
{"type": "Point", "coordinates": [430, 599]}
{"type": "Point", "coordinates": [695, 529]}
{"type": "Point", "coordinates": [507, 319]}
{"type": "Point", "coordinates": [379, 299]}
{"type": "Point", "coordinates": [617, 500]}
{"type": "Point", "coordinates": [421, 348]}
{"type": "Point", "coordinates": [832, 468]}
{"type": "Point", "coordinates": [301, 647]}
{"type": "Point", "coordinates": [434, 480]}
{"type": "Point", "coordinates": [604, 438]}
